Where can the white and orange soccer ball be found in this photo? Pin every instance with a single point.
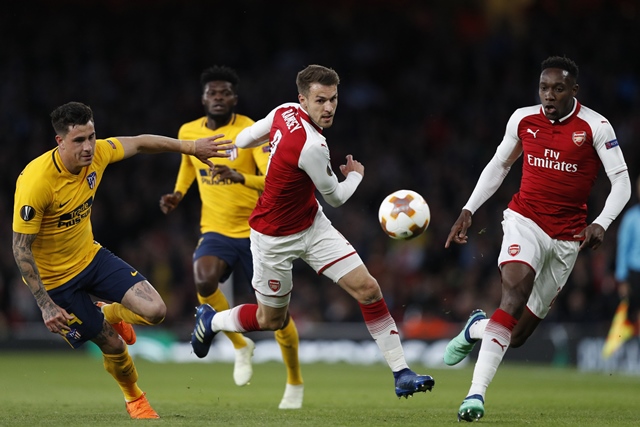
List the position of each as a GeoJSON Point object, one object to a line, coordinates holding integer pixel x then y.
{"type": "Point", "coordinates": [404, 214]}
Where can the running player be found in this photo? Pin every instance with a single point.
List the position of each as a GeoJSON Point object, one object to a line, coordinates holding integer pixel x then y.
{"type": "Point", "coordinates": [61, 263]}
{"type": "Point", "coordinates": [563, 144]}
{"type": "Point", "coordinates": [288, 223]}
{"type": "Point", "coordinates": [228, 195]}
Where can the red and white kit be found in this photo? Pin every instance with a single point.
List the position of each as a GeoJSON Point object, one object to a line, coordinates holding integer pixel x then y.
{"type": "Point", "coordinates": [288, 222]}
{"type": "Point", "coordinates": [560, 164]}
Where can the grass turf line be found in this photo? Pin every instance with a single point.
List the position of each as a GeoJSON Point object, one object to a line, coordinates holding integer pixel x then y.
{"type": "Point", "coordinates": [62, 389]}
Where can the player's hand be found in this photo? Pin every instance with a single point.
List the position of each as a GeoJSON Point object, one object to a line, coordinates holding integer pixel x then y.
{"type": "Point", "coordinates": [591, 237]}
{"type": "Point", "coordinates": [56, 318]}
{"type": "Point", "coordinates": [224, 172]}
{"type": "Point", "coordinates": [352, 166]}
{"type": "Point", "coordinates": [169, 202]}
{"type": "Point", "coordinates": [459, 229]}
{"type": "Point", "coordinates": [213, 146]}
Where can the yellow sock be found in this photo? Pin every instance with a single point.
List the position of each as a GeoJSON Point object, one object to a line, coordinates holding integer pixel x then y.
{"type": "Point", "coordinates": [219, 302]}
{"type": "Point", "coordinates": [115, 312]}
{"type": "Point", "coordinates": [122, 369]}
{"type": "Point", "coordinates": [288, 340]}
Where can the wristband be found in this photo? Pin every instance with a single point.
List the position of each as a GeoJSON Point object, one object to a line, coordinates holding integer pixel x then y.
{"type": "Point", "coordinates": [188, 147]}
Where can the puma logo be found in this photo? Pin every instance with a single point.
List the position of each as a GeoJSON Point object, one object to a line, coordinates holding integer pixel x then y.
{"type": "Point", "coordinates": [504, 347]}
{"type": "Point", "coordinates": [134, 273]}
{"type": "Point", "coordinates": [393, 332]}
{"type": "Point", "coordinates": [532, 132]}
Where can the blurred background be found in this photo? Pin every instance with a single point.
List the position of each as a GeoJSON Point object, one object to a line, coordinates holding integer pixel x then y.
{"type": "Point", "coordinates": [426, 90]}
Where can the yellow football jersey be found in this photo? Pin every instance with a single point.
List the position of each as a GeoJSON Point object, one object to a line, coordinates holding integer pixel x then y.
{"type": "Point", "coordinates": [226, 206]}
{"type": "Point", "coordinates": [56, 205]}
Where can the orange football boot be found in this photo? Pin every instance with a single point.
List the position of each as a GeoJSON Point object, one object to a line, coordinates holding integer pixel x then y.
{"type": "Point", "coordinates": [123, 329]}
{"type": "Point", "coordinates": [141, 409]}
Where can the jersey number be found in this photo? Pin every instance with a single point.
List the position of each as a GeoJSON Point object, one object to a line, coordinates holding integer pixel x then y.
{"type": "Point", "coordinates": [277, 136]}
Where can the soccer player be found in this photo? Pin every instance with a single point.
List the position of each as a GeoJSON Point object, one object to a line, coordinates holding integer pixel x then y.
{"type": "Point", "coordinates": [288, 223]}
{"type": "Point", "coordinates": [229, 194]}
{"type": "Point", "coordinates": [562, 144]}
{"type": "Point", "coordinates": [61, 263]}
{"type": "Point", "coordinates": [626, 321]}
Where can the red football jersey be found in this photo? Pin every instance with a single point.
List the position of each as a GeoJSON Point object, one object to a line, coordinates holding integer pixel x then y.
{"type": "Point", "coordinates": [288, 204]}
{"type": "Point", "coordinates": [561, 161]}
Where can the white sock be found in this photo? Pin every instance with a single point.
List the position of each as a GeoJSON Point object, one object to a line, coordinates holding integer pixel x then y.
{"type": "Point", "coordinates": [476, 330]}
{"type": "Point", "coordinates": [495, 343]}
{"type": "Point", "coordinates": [385, 333]}
{"type": "Point", "coordinates": [227, 321]}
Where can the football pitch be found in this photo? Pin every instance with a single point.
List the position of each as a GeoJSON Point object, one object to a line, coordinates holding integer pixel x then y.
{"type": "Point", "coordinates": [72, 389]}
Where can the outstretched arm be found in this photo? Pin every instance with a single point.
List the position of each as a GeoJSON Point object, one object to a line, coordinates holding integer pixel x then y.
{"type": "Point", "coordinates": [55, 317]}
{"type": "Point", "coordinates": [202, 148]}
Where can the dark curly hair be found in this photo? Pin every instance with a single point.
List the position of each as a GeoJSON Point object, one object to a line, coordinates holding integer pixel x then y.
{"type": "Point", "coordinates": [220, 73]}
{"type": "Point", "coordinates": [561, 62]}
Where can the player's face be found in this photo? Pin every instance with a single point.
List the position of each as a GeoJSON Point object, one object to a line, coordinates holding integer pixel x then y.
{"type": "Point", "coordinates": [320, 104]}
{"type": "Point", "coordinates": [77, 147]}
{"type": "Point", "coordinates": [557, 89]}
{"type": "Point", "coordinates": [219, 100]}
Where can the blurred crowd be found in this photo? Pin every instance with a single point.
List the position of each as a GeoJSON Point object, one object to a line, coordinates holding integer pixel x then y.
{"type": "Point", "coordinates": [426, 90]}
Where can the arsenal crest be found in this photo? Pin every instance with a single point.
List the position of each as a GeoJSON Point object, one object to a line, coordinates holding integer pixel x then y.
{"type": "Point", "coordinates": [514, 250]}
{"type": "Point", "coordinates": [579, 137]}
{"type": "Point", "coordinates": [274, 285]}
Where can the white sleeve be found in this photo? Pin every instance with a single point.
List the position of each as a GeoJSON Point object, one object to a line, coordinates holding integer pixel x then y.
{"type": "Point", "coordinates": [315, 161]}
{"type": "Point", "coordinates": [606, 145]}
{"type": "Point", "coordinates": [256, 134]}
{"type": "Point", "coordinates": [498, 167]}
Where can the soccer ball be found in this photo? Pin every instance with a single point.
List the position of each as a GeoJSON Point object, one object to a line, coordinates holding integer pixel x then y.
{"type": "Point", "coordinates": [404, 214]}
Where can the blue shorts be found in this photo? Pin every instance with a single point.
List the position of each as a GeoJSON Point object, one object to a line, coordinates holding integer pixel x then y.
{"type": "Point", "coordinates": [231, 250]}
{"type": "Point", "coordinates": [108, 278]}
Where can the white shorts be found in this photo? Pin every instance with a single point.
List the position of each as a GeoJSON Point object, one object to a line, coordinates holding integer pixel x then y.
{"type": "Point", "coordinates": [321, 246]}
{"type": "Point", "coordinates": [551, 259]}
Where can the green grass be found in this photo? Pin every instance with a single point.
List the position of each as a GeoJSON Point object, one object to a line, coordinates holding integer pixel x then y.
{"type": "Point", "coordinates": [72, 389]}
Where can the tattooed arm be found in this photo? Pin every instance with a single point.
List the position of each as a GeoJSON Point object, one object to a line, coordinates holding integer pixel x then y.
{"type": "Point", "coordinates": [55, 317]}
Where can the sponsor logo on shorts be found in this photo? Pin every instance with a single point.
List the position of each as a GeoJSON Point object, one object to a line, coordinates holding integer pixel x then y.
{"type": "Point", "coordinates": [274, 285]}
{"type": "Point", "coordinates": [514, 250]}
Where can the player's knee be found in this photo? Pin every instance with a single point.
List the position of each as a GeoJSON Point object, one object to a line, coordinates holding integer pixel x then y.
{"type": "Point", "coordinates": [369, 291]}
{"type": "Point", "coordinates": [156, 314]}
{"type": "Point", "coordinates": [109, 341]}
